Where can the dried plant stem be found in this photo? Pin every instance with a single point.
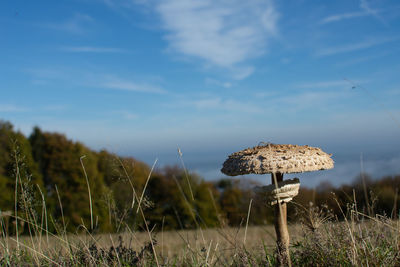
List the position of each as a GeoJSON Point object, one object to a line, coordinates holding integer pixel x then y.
{"type": "Point", "coordinates": [62, 212]}
{"type": "Point", "coordinates": [186, 173]}
{"type": "Point", "coordinates": [140, 208]}
{"type": "Point", "coordinates": [38, 252]}
{"type": "Point", "coordinates": [192, 213]}
{"type": "Point", "coordinates": [16, 198]}
{"type": "Point", "coordinates": [247, 222]}
{"type": "Point", "coordinates": [145, 186]}
{"type": "Point", "coordinates": [134, 197]}
{"type": "Point", "coordinates": [90, 196]}
{"type": "Point", "coordinates": [365, 185]}
{"type": "Point", "coordinates": [29, 219]}
{"type": "Point", "coordinates": [162, 237]}
{"type": "Point", "coordinates": [44, 210]}
{"type": "Point", "coordinates": [151, 239]}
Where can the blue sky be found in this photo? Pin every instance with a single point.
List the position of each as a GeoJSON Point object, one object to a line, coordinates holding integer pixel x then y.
{"type": "Point", "coordinates": [143, 77]}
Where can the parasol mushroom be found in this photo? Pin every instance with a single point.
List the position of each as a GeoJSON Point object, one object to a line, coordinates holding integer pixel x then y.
{"type": "Point", "coordinates": [277, 160]}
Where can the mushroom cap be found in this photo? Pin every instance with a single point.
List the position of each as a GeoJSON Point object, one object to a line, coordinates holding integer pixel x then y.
{"type": "Point", "coordinates": [273, 158]}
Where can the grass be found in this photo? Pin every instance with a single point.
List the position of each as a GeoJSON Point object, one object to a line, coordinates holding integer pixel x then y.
{"type": "Point", "coordinates": [219, 246]}
{"type": "Point", "coordinates": [317, 239]}
{"type": "Point", "coordinates": [358, 241]}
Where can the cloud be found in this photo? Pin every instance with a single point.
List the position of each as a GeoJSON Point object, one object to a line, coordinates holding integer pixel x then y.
{"type": "Point", "coordinates": [76, 25]}
{"type": "Point", "coordinates": [366, 10]}
{"type": "Point", "coordinates": [223, 34]}
{"type": "Point", "coordinates": [339, 17]}
{"type": "Point", "coordinates": [364, 5]}
{"type": "Point", "coordinates": [242, 72]}
{"type": "Point", "coordinates": [124, 85]}
{"type": "Point", "coordinates": [11, 108]}
{"type": "Point", "coordinates": [127, 114]}
{"type": "Point", "coordinates": [91, 49]}
{"type": "Point", "coordinates": [329, 51]}
{"type": "Point", "coordinates": [212, 81]}
{"type": "Point", "coordinates": [130, 4]}
{"type": "Point", "coordinates": [216, 103]}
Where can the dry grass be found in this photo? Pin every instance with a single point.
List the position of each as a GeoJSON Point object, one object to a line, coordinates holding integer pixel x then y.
{"type": "Point", "coordinates": [223, 242]}
{"type": "Point", "coordinates": [359, 240]}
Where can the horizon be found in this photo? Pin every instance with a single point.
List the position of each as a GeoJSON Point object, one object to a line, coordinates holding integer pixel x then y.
{"type": "Point", "coordinates": [143, 78]}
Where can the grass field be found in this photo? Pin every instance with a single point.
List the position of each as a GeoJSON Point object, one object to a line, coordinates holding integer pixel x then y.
{"type": "Point", "coordinates": [357, 241]}
{"type": "Point", "coordinates": [318, 238]}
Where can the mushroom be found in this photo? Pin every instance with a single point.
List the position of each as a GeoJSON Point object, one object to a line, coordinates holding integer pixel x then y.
{"type": "Point", "coordinates": [277, 160]}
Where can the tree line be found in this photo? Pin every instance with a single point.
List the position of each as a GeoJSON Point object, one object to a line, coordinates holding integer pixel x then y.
{"type": "Point", "coordinates": [54, 175]}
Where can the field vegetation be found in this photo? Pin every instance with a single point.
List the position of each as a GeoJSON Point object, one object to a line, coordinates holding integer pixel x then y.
{"type": "Point", "coordinates": [64, 204]}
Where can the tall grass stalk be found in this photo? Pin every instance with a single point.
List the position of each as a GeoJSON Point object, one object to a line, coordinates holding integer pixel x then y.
{"type": "Point", "coordinates": [190, 208]}
{"type": "Point", "coordinates": [186, 173]}
{"type": "Point", "coordinates": [17, 176]}
{"type": "Point", "coordinates": [64, 233]}
{"type": "Point", "coordinates": [44, 216]}
{"type": "Point", "coordinates": [247, 222]}
{"type": "Point", "coordinates": [145, 185]}
{"type": "Point", "coordinates": [369, 208]}
{"type": "Point", "coordinates": [90, 196]}
{"type": "Point", "coordinates": [134, 196]}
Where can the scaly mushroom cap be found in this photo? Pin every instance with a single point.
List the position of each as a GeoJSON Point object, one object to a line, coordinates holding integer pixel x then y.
{"type": "Point", "coordinates": [272, 158]}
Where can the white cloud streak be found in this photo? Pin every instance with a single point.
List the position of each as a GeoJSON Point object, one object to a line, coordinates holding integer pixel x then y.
{"type": "Point", "coordinates": [343, 16]}
{"type": "Point", "coordinates": [329, 51]}
{"type": "Point", "coordinates": [127, 115]}
{"type": "Point", "coordinates": [211, 81]}
{"type": "Point", "coordinates": [366, 10]}
{"type": "Point", "coordinates": [11, 108]}
{"type": "Point", "coordinates": [118, 84]}
{"type": "Point", "coordinates": [91, 49]}
{"type": "Point", "coordinates": [364, 5]}
{"type": "Point", "coordinates": [219, 32]}
{"type": "Point", "coordinates": [76, 25]}
{"type": "Point", "coordinates": [217, 103]}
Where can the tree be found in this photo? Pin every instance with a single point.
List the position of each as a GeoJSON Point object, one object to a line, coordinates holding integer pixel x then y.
{"type": "Point", "coordinates": [64, 177]}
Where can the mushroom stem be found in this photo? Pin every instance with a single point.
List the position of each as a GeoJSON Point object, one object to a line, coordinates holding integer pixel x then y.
{"type": "Point", "coordinates": [282, 233]}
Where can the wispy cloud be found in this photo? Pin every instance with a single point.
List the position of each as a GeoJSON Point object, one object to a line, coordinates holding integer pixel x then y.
{"type": "Point", "coordinates": [343, 16]}
{"type": "Point", "coordinates": [127, 115]}
{"type": "Point", "coordinates": [124, 85]}
{"type": "Point", "coordinates": [14, 108]}
{"type": "Point", "coordinates": [212, 81]}
{"type": "Point", "coordinates": [77, 24]}
{"type": "Point", "coordinates": [329, 51]}
{"type": "Point", "coordinates": [11, 108]}
{"type": "Point", "coordinates": [124, 3]}
{"type": "Point", "coordinates": [364, 5]}
{"type": "Point", "coordinates": [91, 49]}
{"type": "Point", "coordinates": [219, 33]}
{"type": "Point", "coordinates": [217, 103]}
{"type": "Point", "coordinates": [366, 10]}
